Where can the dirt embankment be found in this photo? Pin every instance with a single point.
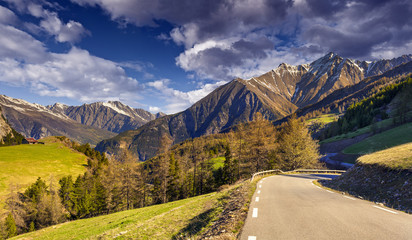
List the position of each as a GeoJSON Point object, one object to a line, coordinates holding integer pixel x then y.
{"type": "Point", "coordinates": [235, 208]}
{"type": "Point", "coordinates": [392, 188]}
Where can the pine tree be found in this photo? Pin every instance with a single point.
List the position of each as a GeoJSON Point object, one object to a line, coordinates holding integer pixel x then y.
{"type": "Point", "coordinates": [66, 193]}
{"type": "Point", "coordinates": [11, 228]}
{"type": "Point", "coordinates": [173, 191]}
{"type": "Point", "coordinates": [32, 228]}
{"type": "Point", "coordinates": [228, 167]}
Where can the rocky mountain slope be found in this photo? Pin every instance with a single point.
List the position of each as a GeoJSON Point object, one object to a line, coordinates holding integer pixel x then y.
{"type": "Point", "coordinates": [4, 127]}
{"type": "Point", "coordinates": [275, 94]}
{"type": "Point", "coordinates": [34, 120]}
{"type": "Point", "coordinates": [111, 116]}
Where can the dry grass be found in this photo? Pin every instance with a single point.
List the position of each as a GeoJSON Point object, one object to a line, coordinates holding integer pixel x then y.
{"type": "Point", "coordinates": [399, 157]}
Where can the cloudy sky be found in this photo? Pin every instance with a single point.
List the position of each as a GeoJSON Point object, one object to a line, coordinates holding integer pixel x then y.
{"type": "Point", "coordinates": [164, 55]}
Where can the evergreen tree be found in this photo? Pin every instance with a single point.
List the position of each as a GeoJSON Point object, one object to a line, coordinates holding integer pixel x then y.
{"type": "Point", "coordinates": [32, 228]}
{"type": "Point", "coordinates": [173, 190]}
{"type": "Point", "coordinates": [36, 190]}
{"type": "Point", "coordinates": [66, 193]}
{"type": "Point", "coordinates": [229, 167]}
{"type": "Point", "coordinates": [11, 228]}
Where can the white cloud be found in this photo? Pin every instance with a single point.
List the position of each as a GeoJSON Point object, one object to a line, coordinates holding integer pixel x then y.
{"type": "Point", "coordinates": [24, 61]}
{"type": "Point", "coordinates": [50, 22]}
{"type": "Point", "coordinates": [176, 100]}
{"type": "Point", "coordinates": [154, 109]}
{"type": "Point", "coordinates": [76, 74]}
{"type": "Point", "coordinates": [71, 32]}
{"type": "Point", "coordinates": [20, 45]}
{"type": "Point", "coordinates": [7, 16]}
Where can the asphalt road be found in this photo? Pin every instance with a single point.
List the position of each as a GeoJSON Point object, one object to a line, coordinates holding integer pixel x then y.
{"type": "Point", "coordinates": [291, 207]}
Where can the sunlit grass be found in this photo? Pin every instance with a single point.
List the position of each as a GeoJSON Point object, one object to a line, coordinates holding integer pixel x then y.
{"type": "Point", "coordinates": [155, 222]}
{"type": "Point", "coordinates": [22, 164]}
{"type": "Point", "coordinates": [399, 157]}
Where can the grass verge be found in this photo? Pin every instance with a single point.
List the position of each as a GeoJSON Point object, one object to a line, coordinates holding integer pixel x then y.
{"type": "Point", "coordinates": [383, 177]}
{"type": "Point", "coordinates": [393, 137]}
{"type": "Point", "coordinates": [193, 218]}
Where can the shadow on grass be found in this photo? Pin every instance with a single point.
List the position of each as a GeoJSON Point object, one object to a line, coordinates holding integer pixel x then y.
{"type": "Point", "coordinates": [195, 225]}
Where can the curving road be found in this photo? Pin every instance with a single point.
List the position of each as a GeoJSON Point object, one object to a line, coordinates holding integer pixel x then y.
{"type": "Point", "coordinates": [291, 207]}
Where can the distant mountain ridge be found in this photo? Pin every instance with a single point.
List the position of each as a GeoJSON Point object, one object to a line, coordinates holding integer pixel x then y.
{"type": "Point", "coordinates": [112, 116]}
{"type": "Point", "coordinates": [276, 94]}
{"type": "Point", "coordinates": [37, 121]}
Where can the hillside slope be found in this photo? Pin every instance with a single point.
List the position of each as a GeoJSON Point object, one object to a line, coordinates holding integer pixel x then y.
{"type": "Point", "coordinates": [23, 164]}
{"type": "Point", "coordinates": [111, 116]}
{"type": "Point", "coordinates": [275, 94]}
{"type": "Point", "coordinates": [4, 127]}
{"type": "Point", "coordinates": [199, 217]}
{"type": "Point", "coordinates": [37, 121]}
{"type": "Point", "coordinates": [384, 177]}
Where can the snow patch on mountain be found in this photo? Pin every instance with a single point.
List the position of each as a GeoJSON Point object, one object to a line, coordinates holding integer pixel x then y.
{"type": "Point", "coordinates": [23, 106]}
{"type": "Point", "coordinates": [112, 106]}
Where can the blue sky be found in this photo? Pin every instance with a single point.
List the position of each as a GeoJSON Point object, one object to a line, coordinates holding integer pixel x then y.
{"type": "Point", "coordinates": [164, 55]}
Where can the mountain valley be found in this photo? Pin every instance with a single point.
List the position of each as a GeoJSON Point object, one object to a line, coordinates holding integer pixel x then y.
{"type": "Point", "coordinates": [275, 94]}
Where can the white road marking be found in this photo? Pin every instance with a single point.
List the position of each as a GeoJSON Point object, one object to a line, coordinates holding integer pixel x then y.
{"type": "Point", "coordinates": [384, 209]}
{"type": "Point", "coordinates": [260, 186]}
{"type": "Point", "coordinates": [257, 199]}
{"type": "Point", "coordinates": [316, 185]}
{"type": "Point", "coordinates": [251, 238]}
{"type": "Point", "coordinates": [329, 191]}
{"type": "Point", "coordinates": [258, 191]}
{"type": "Point", "coordinates": [351, 198]}
{"type": "Point", "coordinates": [255, 212]}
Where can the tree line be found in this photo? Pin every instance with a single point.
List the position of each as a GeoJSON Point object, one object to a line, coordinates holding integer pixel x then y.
{"type": "Point", "coordinates": [373, 109]}
{"type": "Point", "coordinates": [191, 168]}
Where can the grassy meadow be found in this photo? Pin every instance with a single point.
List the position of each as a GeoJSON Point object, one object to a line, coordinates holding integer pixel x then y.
{"type": "Point", "coordinates": [399, 157]}
{"type": "Point", "coordinates": [179, 218]}
{"type": "Point", "coordinates": [390, 138]}
{"type": "Point", "coordinates": [324, 118]}
{"type": "Point", "coordinates": [21, 165]}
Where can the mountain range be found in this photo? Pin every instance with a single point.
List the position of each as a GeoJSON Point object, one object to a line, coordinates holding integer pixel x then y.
{"type": "Point", "coordinates": [276, 94]}
{"type": "Point", "coordinates": [87, 123]}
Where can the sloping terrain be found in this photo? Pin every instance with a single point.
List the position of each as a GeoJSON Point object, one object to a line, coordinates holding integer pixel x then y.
{"type": "Point", "coordinates": [192, 218]}
{"type": "Point", "coordinates": [275, 94]}
{"type": "Point", "coordinates": [384, 177]}
{"type": "Point", "coordinates": [111, 116]}
{"type": "Point", "coordinates": [37, 121]}
{"type": "Point", "coordinates": [4, 127]}
{"type": "Point", "coordinates": [22, 164]}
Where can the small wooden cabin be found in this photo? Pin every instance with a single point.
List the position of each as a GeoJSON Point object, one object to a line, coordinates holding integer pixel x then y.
{"type": "Point", "coordinates": [30, 141]}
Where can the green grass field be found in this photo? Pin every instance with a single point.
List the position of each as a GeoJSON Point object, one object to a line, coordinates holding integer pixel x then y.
{"type": "Point", "coordinates": [22, 164]}
{"type": "Point", "coordinates": [399, 157]}
{"type": "Point", "coordinates": [325, 118]}
{"type": "Point", "coordinates": [186, 217]}
{"type": "Point", "coordinates": [382, 124]}
{"type": "Point", "coordinates": [390, 138]}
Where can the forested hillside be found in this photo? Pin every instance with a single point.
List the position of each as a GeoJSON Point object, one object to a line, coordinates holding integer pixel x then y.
{"type": "Point", "coordinates": [192, 168]}
{"type": "Point", "coordinates": [376, 108]}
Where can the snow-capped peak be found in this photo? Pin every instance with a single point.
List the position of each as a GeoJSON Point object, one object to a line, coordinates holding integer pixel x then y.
{"type": "Point", "coordinates": [114, 106]}
{"type": "Point", "coordinates": [22, 105]}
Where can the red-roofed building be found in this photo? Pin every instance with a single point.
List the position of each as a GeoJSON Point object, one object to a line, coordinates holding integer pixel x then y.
{"type": "Point", "coordinates": [30, 141]}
